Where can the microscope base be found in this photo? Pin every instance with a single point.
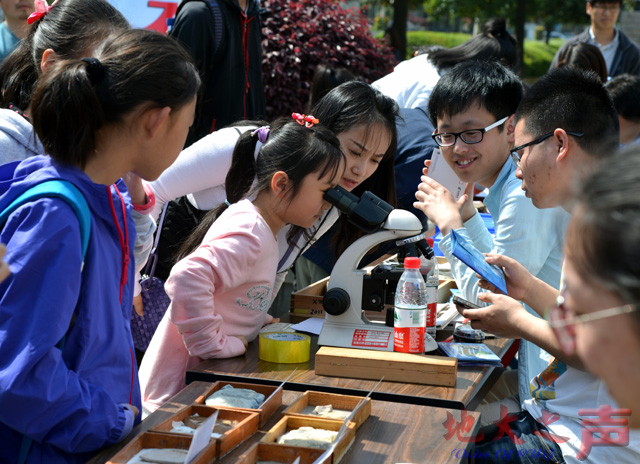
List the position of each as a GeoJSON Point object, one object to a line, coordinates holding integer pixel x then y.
{"type": "Point", "coordinates": [370, 336]}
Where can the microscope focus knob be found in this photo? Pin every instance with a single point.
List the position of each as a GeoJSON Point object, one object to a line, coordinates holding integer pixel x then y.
{"type": "Point", "coordinates": [336, 301]}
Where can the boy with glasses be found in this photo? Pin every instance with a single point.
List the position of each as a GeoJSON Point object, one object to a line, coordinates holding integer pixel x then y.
{"type": "Point", "coordinates": [574, 107]}
{"type": "Point", "coordinates": [620, 54]}
{"type": "Point", "coordinates": [472, 108]}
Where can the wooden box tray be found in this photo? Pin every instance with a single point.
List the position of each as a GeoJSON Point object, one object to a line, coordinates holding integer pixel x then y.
{"type": "Point", "coordinates": [311, 399]}
{"type": "Point", "coordinates": [150, 440]}
{"type": "Point", "coordinates": [247, 425]}
{"type": "Point", "coordinates": [308, 301]}
{"type": "Point", "coordinates": [287, 423]}
{"type": "Point", "coordinates": [398, 367]}
{"type": "Point", "coordinates": [266, 409]}
{"type": "Point", "coordinates": [269, 452]}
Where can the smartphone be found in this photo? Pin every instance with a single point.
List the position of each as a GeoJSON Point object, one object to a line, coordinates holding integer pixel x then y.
{"type": "Point", "coordinates": [441, 172]}
{"type": "Point", "coordinates": [464, 303]}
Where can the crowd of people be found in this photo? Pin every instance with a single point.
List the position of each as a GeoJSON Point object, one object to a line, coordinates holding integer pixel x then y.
{"type": "Point", "coordinates": [104, 129]}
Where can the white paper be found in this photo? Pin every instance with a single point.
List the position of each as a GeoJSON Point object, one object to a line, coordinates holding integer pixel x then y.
{"type": "Point", "coordinates": [201, 437]}
{"type": "Point", "coordinates": [311, 325]}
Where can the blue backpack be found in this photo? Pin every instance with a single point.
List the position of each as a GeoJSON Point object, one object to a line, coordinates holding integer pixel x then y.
{"type": "Point", "coordinates": [68, 192]}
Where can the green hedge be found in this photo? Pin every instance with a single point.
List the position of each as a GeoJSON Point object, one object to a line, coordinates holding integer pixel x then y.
{"type": "Point", "coordinates": [537, 54]}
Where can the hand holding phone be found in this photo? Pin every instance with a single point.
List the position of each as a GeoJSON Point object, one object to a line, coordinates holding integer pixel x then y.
{"type": "Point", "coordinates": [459, 301]}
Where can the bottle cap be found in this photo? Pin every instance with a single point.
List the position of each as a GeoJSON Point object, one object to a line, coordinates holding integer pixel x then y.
{"type": "Point", "coordinates": [412, 263]}
{"type": "Point", "coordinates": [430, 241]}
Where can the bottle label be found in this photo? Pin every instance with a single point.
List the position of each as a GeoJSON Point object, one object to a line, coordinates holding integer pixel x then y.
{"type": "Point", "coordinates": [432, 309]}
{"type": "Point", "coordinates": [409, 327]}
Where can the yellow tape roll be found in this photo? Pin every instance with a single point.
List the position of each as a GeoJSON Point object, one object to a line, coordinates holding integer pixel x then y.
{"type": "Point", "coordinates": [284, 347]}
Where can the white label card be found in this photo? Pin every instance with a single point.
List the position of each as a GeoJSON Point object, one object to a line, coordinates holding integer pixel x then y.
{"type": "Point", "coordinates": [201, 437]}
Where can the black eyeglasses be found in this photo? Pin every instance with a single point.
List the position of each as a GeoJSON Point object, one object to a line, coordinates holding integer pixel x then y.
{"type": "Point", "coordinates": [514, 153]}
{"type": "Point", "coordinates": [471, 136]}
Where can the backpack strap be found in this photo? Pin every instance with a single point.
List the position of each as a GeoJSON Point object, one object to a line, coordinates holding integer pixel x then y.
{"type": "Point", "coordinates": [57, 189]}
{"type": "Point", "coordinates": [68, 192]}
{"type": "Point", "coordinates": [218, 21]}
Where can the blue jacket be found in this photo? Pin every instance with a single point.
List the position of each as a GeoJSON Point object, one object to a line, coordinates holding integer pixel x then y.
{"type": "Point", "coordinates": [69, 401]}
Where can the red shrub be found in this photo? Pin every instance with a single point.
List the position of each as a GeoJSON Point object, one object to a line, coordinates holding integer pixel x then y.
{"type": "Point", "coordinates": [299, 35]}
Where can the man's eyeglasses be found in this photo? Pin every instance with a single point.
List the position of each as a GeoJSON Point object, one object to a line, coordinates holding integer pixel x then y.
{"type": "Point", "coordinates": [563, 324]}
{"type": "Point", "coordinates": [516, 157]}
{"type": "Point", "coordinates": [471, 136]}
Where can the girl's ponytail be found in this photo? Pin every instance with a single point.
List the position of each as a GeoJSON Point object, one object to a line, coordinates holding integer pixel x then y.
{"type": "Point", "coordinates": [68, 110]}
{"type": "Point", "coordinates": [243, 167]}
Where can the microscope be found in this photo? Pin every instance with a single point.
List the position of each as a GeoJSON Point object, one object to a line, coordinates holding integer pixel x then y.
{"type": "Point", "coordinates": [352, 290]}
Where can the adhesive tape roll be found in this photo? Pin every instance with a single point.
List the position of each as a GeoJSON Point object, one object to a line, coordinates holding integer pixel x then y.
{"type": "Point", "coordinates": [284, 347]}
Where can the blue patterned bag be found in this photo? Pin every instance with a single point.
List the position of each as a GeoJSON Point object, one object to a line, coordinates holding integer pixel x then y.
{"type": "Point", "coordinates": [155, 301]}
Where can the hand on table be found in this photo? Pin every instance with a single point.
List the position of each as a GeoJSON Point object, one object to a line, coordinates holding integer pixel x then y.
{"type": "Point", "coordinates": [505, 317]}
{"type": "Point", "coordinates": [244, 341]}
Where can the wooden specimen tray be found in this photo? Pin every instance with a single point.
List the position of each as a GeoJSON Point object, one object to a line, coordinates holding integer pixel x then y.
{"type": "Point", "coordinates": [288, 423]}
{"type": "Point", "coordinates": [311, 399]}
{"type": "Point", "coordinates": [247, 425]}
{"type": "Point", "coordinates": [150, 440]}
{"type": "Point", "coordinates": [266, 409]}
{"type": "Point", "coordinates": [398, 367]}
{"type": "Point", "coordinates": [268, 452]}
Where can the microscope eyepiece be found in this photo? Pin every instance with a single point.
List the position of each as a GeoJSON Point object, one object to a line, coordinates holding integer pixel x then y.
{"type": "Point", "coordinates": [342, 199]}
{"type": "Point", "coordinates": [367, 213]}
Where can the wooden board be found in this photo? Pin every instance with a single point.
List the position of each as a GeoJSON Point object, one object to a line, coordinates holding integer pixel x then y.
{"type": "Point", "coordinates": [395, 367]}
{"type": "Point", "coordinates": [247, 425]}
{"type": "Point", "coordinates": [266, 409]}
{"type": "Point", "coordinates": [150, 440]}
{"type": "Point", "coordinates": [279, 453]}
{"type": "Point", "coordinates": [342, 402]}
{"type": "Point", "coordinates": [288, 423]}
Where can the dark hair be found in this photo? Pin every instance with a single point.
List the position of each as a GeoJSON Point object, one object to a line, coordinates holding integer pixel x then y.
{"type": "Point", "coordinates": [70, 28]}
{"type": "Point", "coordinates": [593, 2]}
{"type": "Point", "coordinates": [79, 97]}
{"type": "Point", "coordinates": [625, 93]}
{"type": "Point", "coordinates": [292, 148]}
{"type": "Point", "coordinates": [493, 44]}
{"type": "Point", "coordinates": [573, 100]}
{"type": "Point", "coordinates": [346, 107]}
{"type": "Point", "coordinates": [326, 78]}
{"type": "Point", "coordinates": [603, 239]}
{"type": "Point", "coordinates": [584, 56]}
{"type": "Point", "coordinates": [485, 84]}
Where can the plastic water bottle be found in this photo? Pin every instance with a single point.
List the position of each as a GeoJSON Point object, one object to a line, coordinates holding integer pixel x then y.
{"type": "Point", "coordinates": [410, 314]}
{"type": "Point", "coordinates": [429, 268]}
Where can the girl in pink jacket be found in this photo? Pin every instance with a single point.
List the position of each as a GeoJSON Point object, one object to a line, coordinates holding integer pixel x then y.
{"type": "Point", "coordinates": [222, 287]}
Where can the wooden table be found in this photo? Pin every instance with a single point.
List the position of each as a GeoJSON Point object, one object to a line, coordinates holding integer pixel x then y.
{"type": "Point", "coordinates": [472, 384]}
{"type": "Point", "coordinates": [394, 433]}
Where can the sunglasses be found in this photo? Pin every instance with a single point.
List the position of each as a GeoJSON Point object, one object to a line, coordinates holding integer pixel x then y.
{"type": "Point", "coordinates": [563, 324]}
